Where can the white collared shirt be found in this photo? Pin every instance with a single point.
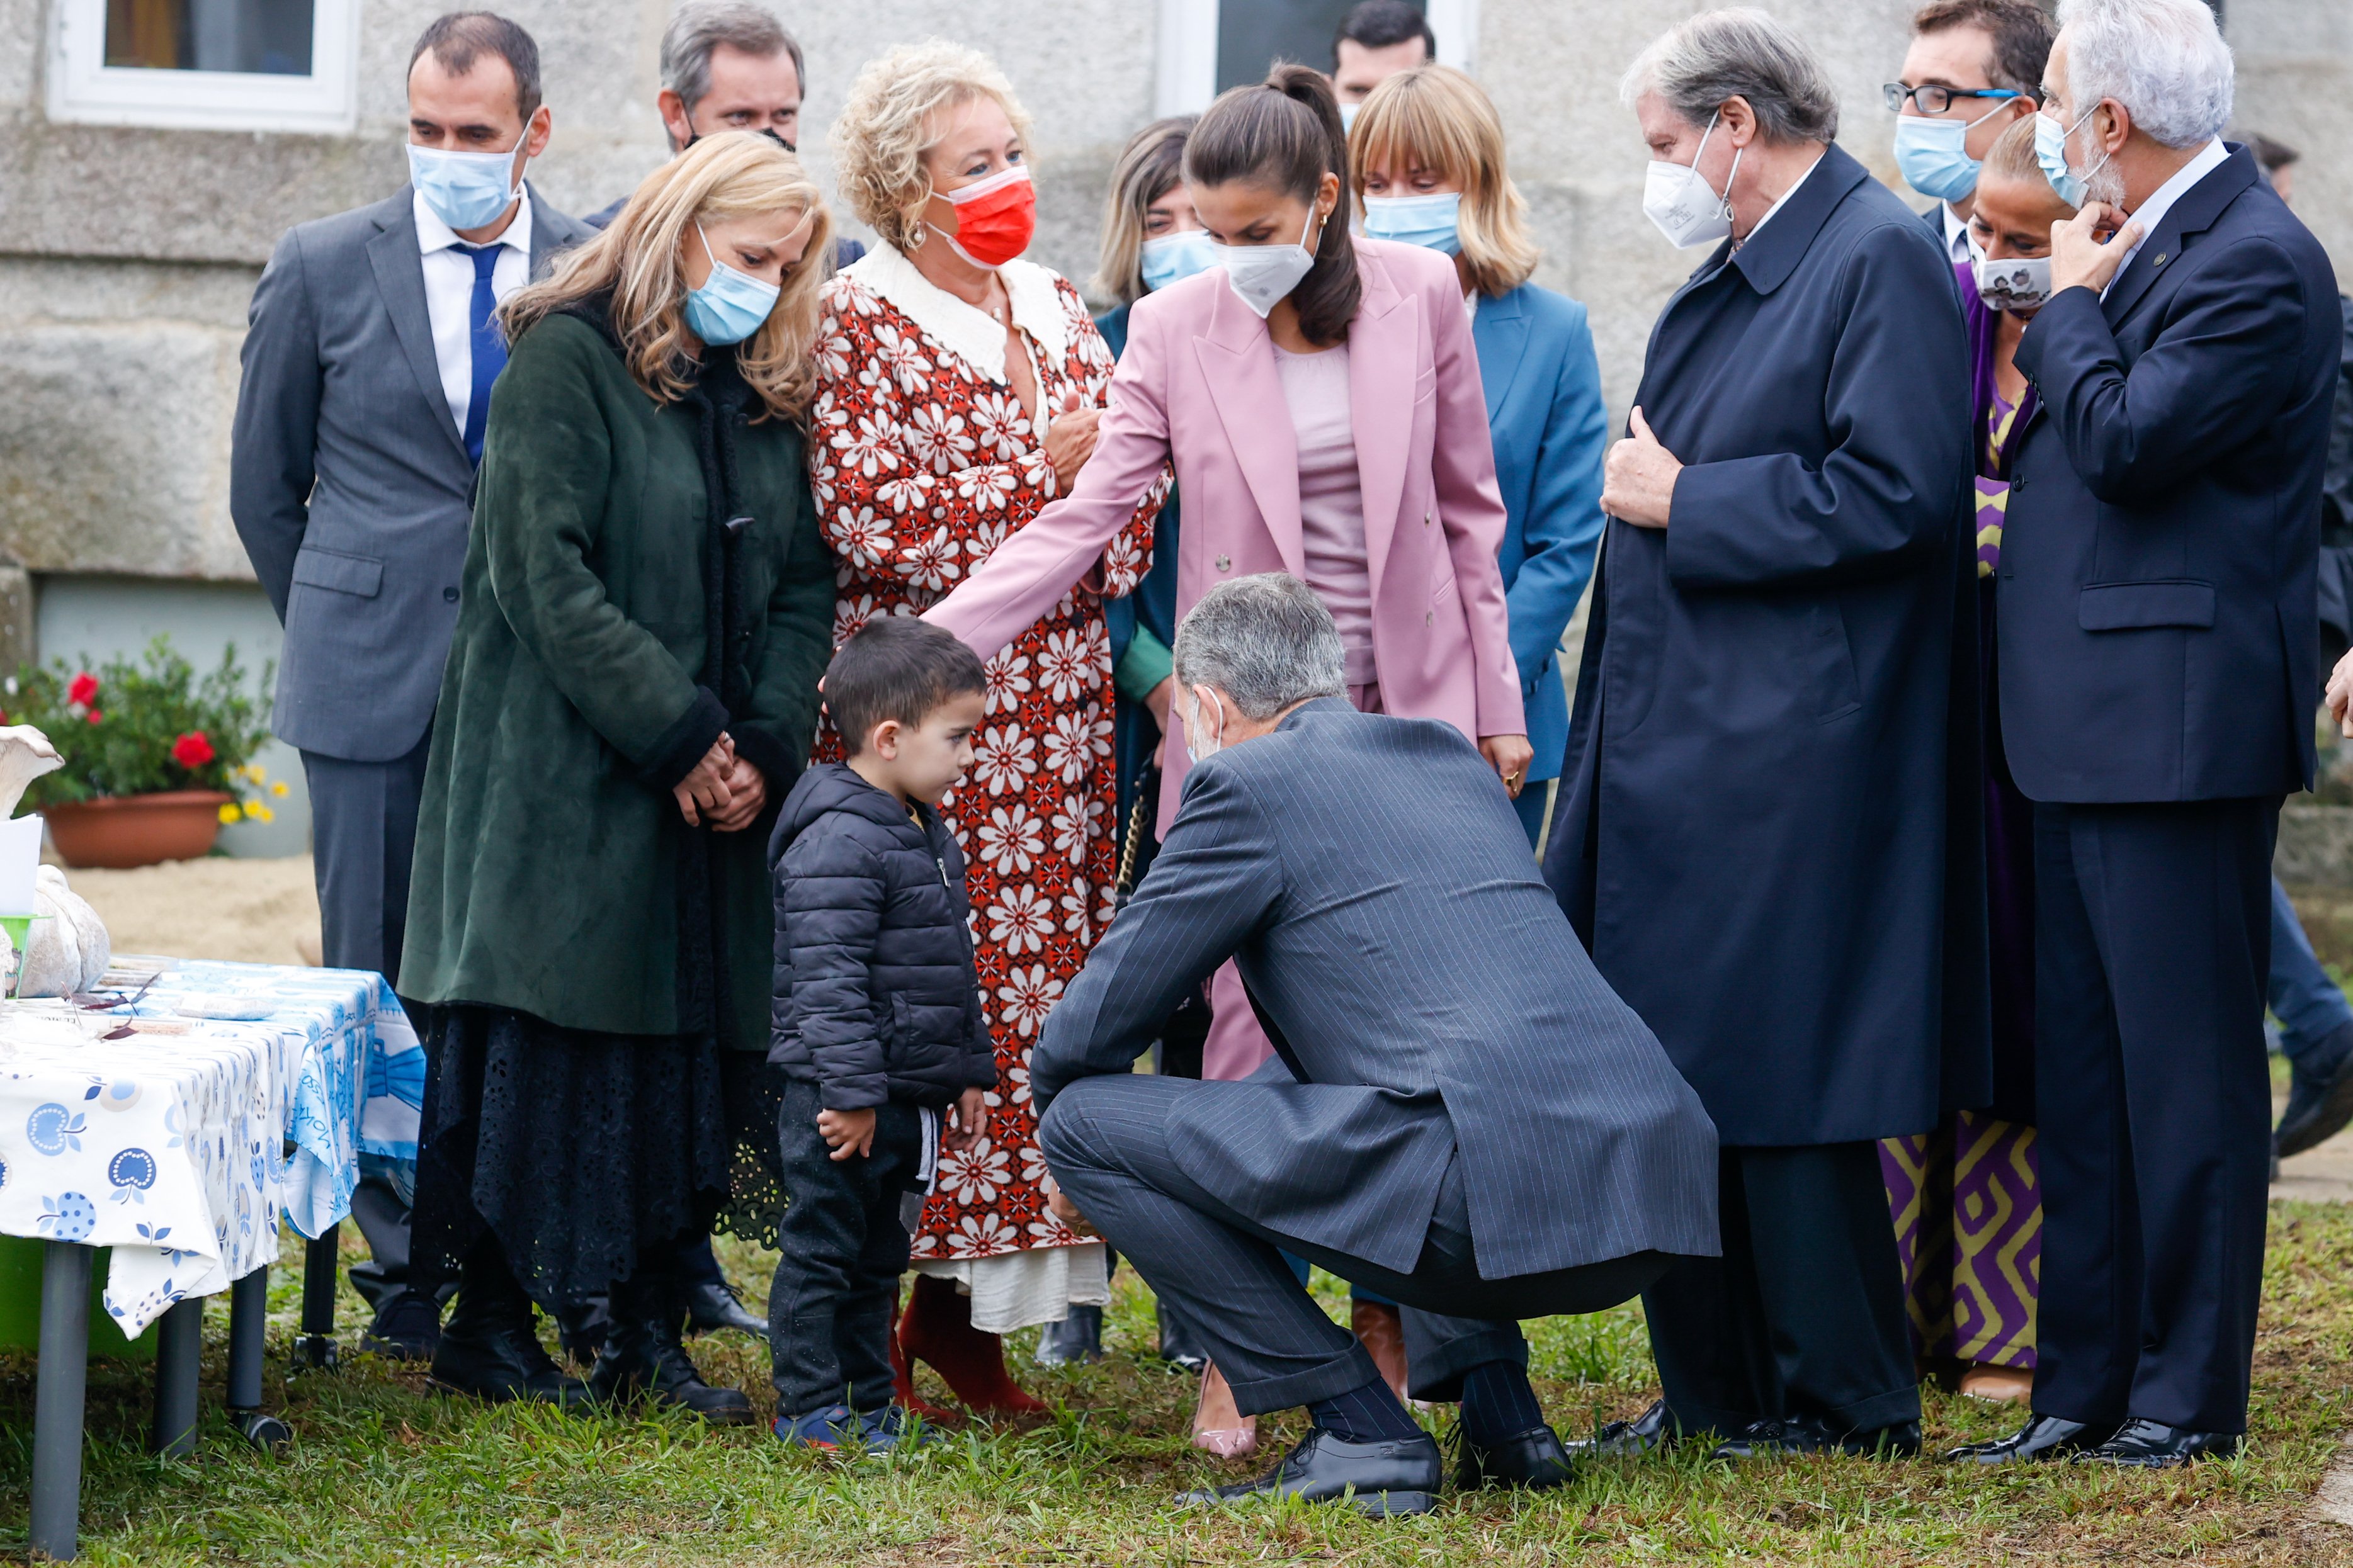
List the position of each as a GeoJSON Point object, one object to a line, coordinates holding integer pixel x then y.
{"type": "Point", "coordinates": [450, 294]}
{"type": "Point", "coordinates": [2151, 213]}
{"type": "Point", "coordinates": [1795, 185]}
{"type": "Point", "coordinates": [1957, 235]}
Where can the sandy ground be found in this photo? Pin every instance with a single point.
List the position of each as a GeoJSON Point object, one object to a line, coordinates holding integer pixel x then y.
{"type": "Point", "coordinates": [265, 911]}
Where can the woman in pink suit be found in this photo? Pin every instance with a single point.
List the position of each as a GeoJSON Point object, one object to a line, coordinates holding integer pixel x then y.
{"type": "Point", "coordinates": [1318, 396]}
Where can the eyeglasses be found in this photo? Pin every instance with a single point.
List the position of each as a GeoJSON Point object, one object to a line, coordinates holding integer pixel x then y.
{"type": "Point", "coordinates": [1935, 98]}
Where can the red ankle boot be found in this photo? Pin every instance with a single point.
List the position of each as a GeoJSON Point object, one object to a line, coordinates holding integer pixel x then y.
{"type": "Point", "coordinates": [937, 1330]}
{"type": "Point", "coordinates": [902, 1379]}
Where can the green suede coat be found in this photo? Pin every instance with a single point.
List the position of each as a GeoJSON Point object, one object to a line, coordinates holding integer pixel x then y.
{"type": "Point", "coordinates": [548, 843]}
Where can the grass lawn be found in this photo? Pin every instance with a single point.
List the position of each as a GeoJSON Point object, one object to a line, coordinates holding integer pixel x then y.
{"type": "Point", "coordinates": [384, 1473]}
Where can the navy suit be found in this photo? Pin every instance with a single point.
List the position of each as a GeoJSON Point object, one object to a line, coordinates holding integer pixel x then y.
{"type": "Point", "coordinates": [1450, 1073]}
{"type": "Point", "coordinates": [1770, 834]}
{"type": "Point", "coordinates": [2157, 665]}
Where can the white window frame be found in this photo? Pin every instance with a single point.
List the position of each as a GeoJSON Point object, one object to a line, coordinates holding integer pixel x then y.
{"type": "Point", "coordinates": [1187, 74]}
{"type": "Point", "coordinates": [84, 89]}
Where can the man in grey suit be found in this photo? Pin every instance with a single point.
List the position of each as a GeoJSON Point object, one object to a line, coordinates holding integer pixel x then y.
{"type": "Point", "coordinates": [368, 360]}
{"type": "Point", "coordinates": [1461, 1114]}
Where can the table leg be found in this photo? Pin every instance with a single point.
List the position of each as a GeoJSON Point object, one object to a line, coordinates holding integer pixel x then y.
{"type": "Point", "coordinates": [58, 1400]}
{"type": "Point", "coordinates": [181, 1342]}
{"type": "Point", "coordinates": [249, 1306]}
{"type": "Point", "coordinates": [316, 1347]}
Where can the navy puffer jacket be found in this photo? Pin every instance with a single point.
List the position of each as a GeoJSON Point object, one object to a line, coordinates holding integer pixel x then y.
{"type": "Point", "coordinates": [875, 998]}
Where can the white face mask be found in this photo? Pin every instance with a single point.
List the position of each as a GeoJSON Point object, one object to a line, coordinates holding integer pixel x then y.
{"type": "Point", "coordinates": [2018, 284]}
{"type": "Point", "coordinates": [1209, 745]}
{"type": "Point", "coordinates": [1687, 209]}
{"type": "Point", "coordinates": [1262, 276]}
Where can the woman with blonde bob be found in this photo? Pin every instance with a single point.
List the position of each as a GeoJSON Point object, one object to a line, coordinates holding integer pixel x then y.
{"type": "Point", "coordinates": [645, 611]}
{"type": "Point", "coordinates": [1425, 153]}
{"type": "Point", "coordinates": [958, 387]}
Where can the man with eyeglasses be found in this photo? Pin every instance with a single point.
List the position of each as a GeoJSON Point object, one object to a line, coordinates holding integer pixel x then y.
{"type": "Point", "coordinates": [1972, 72]}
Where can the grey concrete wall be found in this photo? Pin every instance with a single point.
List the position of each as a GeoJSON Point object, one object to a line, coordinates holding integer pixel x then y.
{"type": "Point", "coordinates": [126, 256]}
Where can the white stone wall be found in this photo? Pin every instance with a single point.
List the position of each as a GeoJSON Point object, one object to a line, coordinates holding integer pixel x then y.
{"type": "Point", "coordinates": [126, 256]}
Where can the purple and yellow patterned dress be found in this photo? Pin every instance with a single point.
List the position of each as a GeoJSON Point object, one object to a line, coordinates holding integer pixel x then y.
{"type": "Point", "coordinates": [1965, 1199]}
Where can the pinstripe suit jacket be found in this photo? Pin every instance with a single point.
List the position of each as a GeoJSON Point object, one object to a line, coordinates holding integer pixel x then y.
{"type": "Point", "coordinates": [1425, 993]}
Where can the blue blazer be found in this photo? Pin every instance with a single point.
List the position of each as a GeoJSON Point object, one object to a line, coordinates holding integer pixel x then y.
{"type": "Point", "coordinates": [1544, 410]}
{"type": "Point", "coordinates": [2158, 617]}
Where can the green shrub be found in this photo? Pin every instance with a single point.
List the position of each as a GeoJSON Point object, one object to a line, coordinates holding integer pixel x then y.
{"type": "Point", "coordinates": [145, 726]}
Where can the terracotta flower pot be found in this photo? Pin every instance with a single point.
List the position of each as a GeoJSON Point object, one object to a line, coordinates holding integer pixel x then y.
{"type": "Point", "coordinates": [119, 832]}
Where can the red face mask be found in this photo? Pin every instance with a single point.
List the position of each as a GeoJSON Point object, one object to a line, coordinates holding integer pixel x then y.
{"type": "Point", "coordinates": [996, 217]}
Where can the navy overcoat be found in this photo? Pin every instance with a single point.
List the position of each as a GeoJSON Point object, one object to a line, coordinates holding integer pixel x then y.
{"type": "Point", "coordinates": [1768, 836]}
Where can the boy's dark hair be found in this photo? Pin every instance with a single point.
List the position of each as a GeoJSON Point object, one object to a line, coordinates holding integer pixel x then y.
{"type": "Point", "coordinates": [896, 667]}
{"type": "Point", "coordinates": [1384, 24]}
{"type": "Point", "coordinates": [2021, 30]}
{"type": "Point", "coordinates": [461, 37]}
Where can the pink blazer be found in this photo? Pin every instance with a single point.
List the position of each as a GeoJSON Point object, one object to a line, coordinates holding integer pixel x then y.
{"type": "Point", "coordinates": [1197, 387]}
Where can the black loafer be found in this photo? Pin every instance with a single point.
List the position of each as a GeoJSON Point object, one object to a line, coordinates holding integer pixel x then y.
{"type": "Point", "coordinates": [2318, 1107]}
{"type": "Point", "coordinates": [2153, 1446]}
{"type": "Point", "coordinates": [713, 1304]}
{"type": "Point", "coordinates": [1375, 1478]}
{"type": "Point", "coordinates": [1813, 1435]}
{"type": "Point", "coordinates": [1535, 1458]}
{"type": "Point", "coordinates": [1649, 1433]}
{"type": "Point", "coordinates": [503, 1365]}
{"type": "Point", "coordinates": [407, 1327]}
{"type": "Point", "coordinates": [2043, 1437]}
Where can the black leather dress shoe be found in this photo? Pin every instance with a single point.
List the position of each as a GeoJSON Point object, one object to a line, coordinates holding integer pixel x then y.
{"type": "Point", "coordinates": [1535, 1458]}
{"type": "Point", "coordinates": [501, 1364]}
{"type": "Point", "coordinates": [2153, 1446]}
{"type": "Point", "coordinates": [2320, 1106]}
{"type": "Point", "coordinates": [407, 1327]}
{"type": "Point", "coordinates": [2043, 1437]}
{"type": "Point", "coordinates": [1814, 1435]}
{"type": "Point", "coordinates": [1649, 1433]}
{"type": "Point", "coordinates": [713, 1304]}
{"type": "Point", "coordinates": [1375, 1478]}
{"type": "Point", "coordinates": [1078, 1337]}
{"type": "Point", "coordinates": [647, 1362]}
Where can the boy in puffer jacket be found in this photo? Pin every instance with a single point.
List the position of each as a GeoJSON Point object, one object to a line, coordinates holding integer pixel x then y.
{"type": "Point", "coordinates": [877, 1024]}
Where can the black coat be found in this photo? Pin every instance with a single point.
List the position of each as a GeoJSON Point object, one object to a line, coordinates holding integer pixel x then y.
{"type": "Point", "coordinates": [875, 998]}
{"type": "Point", "coordinates": [2158, 604]}
{"type": "Point", "coordinates": [1769, 833]}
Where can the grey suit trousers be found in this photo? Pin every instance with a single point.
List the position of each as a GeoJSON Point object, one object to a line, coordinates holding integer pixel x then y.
{"type": "Point", "coordinates": [1106, 1140]}
{"type": "Point", "coordinates": [363, 837]}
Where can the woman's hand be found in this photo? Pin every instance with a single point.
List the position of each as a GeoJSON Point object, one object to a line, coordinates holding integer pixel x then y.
{"type": "Point", "coordinates": [1065, 1210]}
{"type": "Point", "coordinates": [1158, 699]}
{"type": "Point", "coordinates": [966, 1118]}
{"type": "Point", "coordinates": [2340, 695]}
{"type": "Point", "coordinates": [749, 787]}
{"type": "Point", "coordinates": [705, 789]}
{"type": "Point", "coordinates": [1070, 440]}
{"type": "Point", "coordinates": [1509, 755]}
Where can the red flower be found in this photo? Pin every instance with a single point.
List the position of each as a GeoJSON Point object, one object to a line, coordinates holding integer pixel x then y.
{"type": "Point", "coordinates": [191, 751]}
{"type": "Point", "coordinates": [95, 715]}
{"type": "Point", "coordinates": [82, 689]}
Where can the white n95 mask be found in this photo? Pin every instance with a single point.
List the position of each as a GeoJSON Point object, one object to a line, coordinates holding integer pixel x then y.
{"type": "Point", "coordinates": [1687, 209]}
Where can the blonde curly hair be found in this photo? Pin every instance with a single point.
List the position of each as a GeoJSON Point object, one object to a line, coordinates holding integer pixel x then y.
{"type": "Point", "coordinates": [891, 119]}
{"type": "Point", "coordinates": [731, 176]}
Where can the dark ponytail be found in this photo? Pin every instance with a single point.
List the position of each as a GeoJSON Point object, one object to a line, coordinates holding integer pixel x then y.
{"type": "Point", "coordinates": [1285, 134]}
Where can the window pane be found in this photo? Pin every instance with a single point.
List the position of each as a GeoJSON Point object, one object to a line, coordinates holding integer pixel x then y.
{"type": "Point", "coordinates": [1253, 33]}
{"type": "Point", "coordinates": [269, 36]}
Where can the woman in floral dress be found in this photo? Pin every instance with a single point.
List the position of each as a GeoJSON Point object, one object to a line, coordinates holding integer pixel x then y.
{"type": "Point", "coordinates": [959, 388]}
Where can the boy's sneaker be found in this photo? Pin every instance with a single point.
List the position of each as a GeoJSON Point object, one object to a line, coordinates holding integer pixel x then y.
{"type": "Point", "coordinates": [837, 1426]}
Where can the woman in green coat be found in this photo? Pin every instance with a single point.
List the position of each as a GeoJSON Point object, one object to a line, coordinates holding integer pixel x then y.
{"type": "Point", "coordinates": [632, 689]}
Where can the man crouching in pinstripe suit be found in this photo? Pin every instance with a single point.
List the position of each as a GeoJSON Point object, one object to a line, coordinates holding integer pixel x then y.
{"type": "Point", "coordinates": [1460, 1114]}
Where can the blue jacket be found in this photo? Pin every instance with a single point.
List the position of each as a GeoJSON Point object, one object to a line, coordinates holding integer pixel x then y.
{"type": "Point", "coordinates": [2159, 619]}
{"type": "Point", "coordinates": [1544, 410]}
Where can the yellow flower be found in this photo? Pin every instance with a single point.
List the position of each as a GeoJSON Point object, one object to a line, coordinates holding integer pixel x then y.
{"type": "Point", "coordinates": [254, 772]}
{"type": "Point", "coordinates": [229, 813]}
{"type": "Point", "coordinates": [258, 811]}
{"type": "Point", "coordinates": [279, 790]}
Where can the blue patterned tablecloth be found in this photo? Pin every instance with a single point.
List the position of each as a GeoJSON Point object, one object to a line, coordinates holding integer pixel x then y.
{"type": "Point", "coordinates": [169, 1144]}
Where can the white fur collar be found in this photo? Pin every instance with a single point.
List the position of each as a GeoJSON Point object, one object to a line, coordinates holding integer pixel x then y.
{"type": "Point", "coordinates": [962, 329]}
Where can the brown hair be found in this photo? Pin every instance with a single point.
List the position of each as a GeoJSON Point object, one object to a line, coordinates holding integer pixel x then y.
{"type": "Point", "coordinates": [731, 176]}
{"type": "Point", "coordinates": [1150, 166]}
{"type": "Point", "coordinates": [1285, 134]}
{"type": "Point", "coordinates": [461, 37]}
{"type": "Point", "coordinates": [2022, 31]}
{"type": "Point", "coordinates": [897, 666]}
{"type": "Point", "coordinates": [1436, 118]}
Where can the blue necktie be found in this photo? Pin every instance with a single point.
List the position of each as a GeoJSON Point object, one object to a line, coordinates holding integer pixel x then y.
{"type": "Point", "coordinates": [490, 350]}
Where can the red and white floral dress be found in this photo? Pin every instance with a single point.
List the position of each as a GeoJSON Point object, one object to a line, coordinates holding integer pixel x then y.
{"type": "Point", "coordinates": [922, 461]}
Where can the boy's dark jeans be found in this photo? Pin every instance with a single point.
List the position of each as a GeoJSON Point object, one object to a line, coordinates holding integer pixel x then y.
{"type": "Point", "coordinates": [843, 1246]}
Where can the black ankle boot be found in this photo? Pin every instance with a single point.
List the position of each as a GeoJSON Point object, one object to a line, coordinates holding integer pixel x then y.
{"type": "Point", "coordinates": [645, 1358]}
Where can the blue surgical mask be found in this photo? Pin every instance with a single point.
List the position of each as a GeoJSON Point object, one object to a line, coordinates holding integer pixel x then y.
{"type": "Point", "coordinates": [1348, 116]}
{"type": "Point", "coordinates": [1172, 257]}
{"type": "Point", "coordinates": [1427, 221]}
{"type": "Point", "coordinates": [2050, 153]}
{"type": "Point", "coordinates": [464, 190]}
{"type": "Point", "coordinates": [731, 305]}
{"type": "Point", "coordinates": [1934, 155]}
